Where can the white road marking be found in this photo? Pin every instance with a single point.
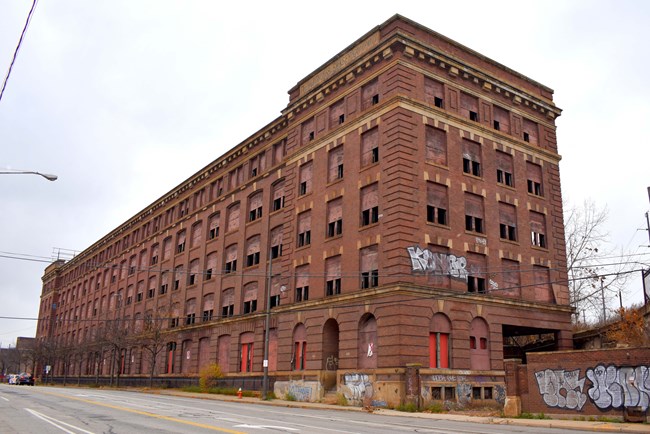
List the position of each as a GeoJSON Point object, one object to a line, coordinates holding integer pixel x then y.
{"type": "Point", "coordinates": [266, 427]}
{"type": "Point", "coordinates": [56, 422]}
{"type": "Point", "coordinates": [4, 398]}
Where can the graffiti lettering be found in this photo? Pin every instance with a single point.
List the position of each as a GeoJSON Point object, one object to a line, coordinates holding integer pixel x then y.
{"type": "Point", "coordinates": [561, 389]}
{"type": "Point", "coordinates": [620, 387]}
{"type": "Point", "coordinates": [300, 393]}
{"type": "Point", "coordinates": [425, 261]}
{"type": "Point", "coordinates": [332, 363]}
{"type": "Point", "coordinates": [357, 388]}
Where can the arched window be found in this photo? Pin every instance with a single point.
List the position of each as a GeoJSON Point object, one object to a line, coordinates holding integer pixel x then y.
{"type": "Point", "coordinates": [479, 352]}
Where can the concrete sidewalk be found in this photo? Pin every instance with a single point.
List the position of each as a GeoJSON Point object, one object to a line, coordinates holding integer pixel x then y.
{"type": "Point", "coordinates": [542, 423]}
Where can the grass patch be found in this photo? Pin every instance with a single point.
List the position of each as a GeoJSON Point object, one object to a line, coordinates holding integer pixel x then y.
{"type": "Point", "coordinates": [289, 397]}
{"type": "Point", "coordinates": [532, 416]}
{"type": "Point", "coordinates": [408, 407]}
{"type": "Point", "coordinates": [231, 391]}
{"type": "Point", "coordinates": [436, 407]}
{"type": "Point", "coordinates": [341, 399]}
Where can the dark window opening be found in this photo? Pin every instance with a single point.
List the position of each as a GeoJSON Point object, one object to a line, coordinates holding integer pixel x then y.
{"type": "Point", "coordinates": [207, 315]}
{"type": "Point", "coordinates": [302, 188]}
{"type": "Point", "coordinates": [227, 311]}
{"type": "Point", "coordinates": [497, 125]}
{"type": "Point", "coordinates": [230, 267]}
{"type": "Point", "coordinates": [438, 102]}
{"type": "Point", "coordinates": [190, 318]}
{"type": "Point", "coordinates": [214, 233]}
{"type": "Point", "coordinates": [436, 215]}
{"type": "Point", "coordinates": [334, 287]}
{"type": "Point", "coordinates": [475, 284]}
{"type": "Point", "coordinates": [341, 119]}
{"type": "Point", "coordinates": [473, 116]}
{"type": "Point", "coordinates": [335, 228]}
{"type": "Point", "coordinates": [526, 137]}
{"type": "Point", "coordinates": [375, 155]}
{"type": "Point", "coordinates": [304, 238]}
{"type": "Point", "coordinates": [504, 177]}
{"type": "Point", "coordinates": [311, 135]}
{"type": "Point", "coordinates": [370, 279]}
{"type": "Point", "coordinates": [276, 251]}
{"type": "Point", "coordinates": [534, 188]}
{"type": "Point", "coordinates": [375, 99]}
{"type": "Point", "coordinates": [508, 232]}
{"type": "Point", "coordinates": [275, 301]}
{"type": "Point", "coordinates": [250, 306]}
{"type": "Point", "coordinates": [253, 259]}
{"type": "Point", "coordinates": [278, 203]}
{"type": "Point", "coordinates": [370, 216]}
{"type": "Point", "coordinates": [537, 239]}
{"type": "Point", "coordinates": [302, 294]}
{"type": "Point", "coordinates": [474, 224]}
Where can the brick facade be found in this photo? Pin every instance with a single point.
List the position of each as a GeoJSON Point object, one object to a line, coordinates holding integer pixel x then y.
{"type": "Point", "coordinates": [408, 176]}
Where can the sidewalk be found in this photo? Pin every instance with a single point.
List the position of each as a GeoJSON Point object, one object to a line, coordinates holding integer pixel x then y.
{"type": "Point", "coordinates": [564, 424]}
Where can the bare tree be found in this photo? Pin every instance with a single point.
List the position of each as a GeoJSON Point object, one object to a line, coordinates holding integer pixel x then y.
{"type": "Point", "coordinates": [153, 339]}
{"type": "Point", "coordinates": [596, 273]}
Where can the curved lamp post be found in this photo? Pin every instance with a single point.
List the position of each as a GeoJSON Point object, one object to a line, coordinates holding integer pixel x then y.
{"type": "Point", "coordinates": [47, 176]}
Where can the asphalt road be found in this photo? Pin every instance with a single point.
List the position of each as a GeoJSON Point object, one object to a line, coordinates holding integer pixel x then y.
{"type": "Point", "coordinates": [45, 410]}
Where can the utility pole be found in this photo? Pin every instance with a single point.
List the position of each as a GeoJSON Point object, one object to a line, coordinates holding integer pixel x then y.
{"type": "Point", "coordinates": [267, 326]}
{"type": "Point", "coordinates": [602, 296]}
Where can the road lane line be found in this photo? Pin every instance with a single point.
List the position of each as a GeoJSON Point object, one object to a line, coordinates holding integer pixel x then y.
{"type": "Point", "coordinates": [146, 413]}
{"type": "Point", "coordinates": [55, 422]}
{"type": "Point", "coordinates": [4, 398]}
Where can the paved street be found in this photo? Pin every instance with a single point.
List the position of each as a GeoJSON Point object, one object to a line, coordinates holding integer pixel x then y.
{"type": "Point", "coordinates": [26, 409]}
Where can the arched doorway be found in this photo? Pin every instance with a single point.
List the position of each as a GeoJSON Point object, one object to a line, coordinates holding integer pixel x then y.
{"type": "Point", "coordinates": [479, 352]}
{"type": "Point", "coordinates": [330, 353]}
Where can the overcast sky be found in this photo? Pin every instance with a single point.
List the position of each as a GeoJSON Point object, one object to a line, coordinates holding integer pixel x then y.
{"type": "Point", "coordinates": [124, 99]}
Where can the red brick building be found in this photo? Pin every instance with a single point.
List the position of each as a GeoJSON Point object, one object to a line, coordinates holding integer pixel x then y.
{"type": "Point", "coordinates": [408, 199]}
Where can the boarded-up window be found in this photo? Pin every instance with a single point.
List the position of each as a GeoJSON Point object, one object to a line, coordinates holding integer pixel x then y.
{"type": "Point", "coordinates": [213, 225]}
{"type": "Point", "coordinates": [306, 173]}
{"type": "Point", "coordinates": [233, 218]}
{"type": "Point", "coordinates": [334, 217]}
{"type": "Point", "coordinates": [231, 259]}
{"type": "Point", "coordinates": [437, 203]}
{"type": "Point", "coordinates": [507, 221]}
{"type": "Point", "coordinates": [510, 279]}
{"type": "Point", "coordinates": [253, 251]}
{"type": "Point", "coordinates": [542, 284]}
{"type": "Point", "coordinates": [370, 147]}
{"type": "Point", "coordinates": [278, 196]}
{"type": "Point", "coordinates": [223, 353]}
{"type": "Point", "coordinates": [276, 242]}
{"type": "Point", "coordinates": [333, 276]}
{"type": "Point", "coordinates": [228, 302]}
{"type": "Point", "coordinates": [479, 352]}
{"type": "Point", "coordinates": [197, 234]}
{"type": "Point", "coordinates": [278, 152]}
{"type": "Point", "coordinates": [302, 283]}
{"type": "Point", "coordinates": [505, 173]}
{"type": "Point", "coordinates": [255, 206]}
{"type": "Point", "coordinates": [193, 278]}
{"type": "Point", "coordinates": [369, 94]}
{"type": "Point", "coordinates": [469, 106]}
{"type": "Point", "coordinates": [304, 229]}
{"type": "Point", "coordinates": [474, 213]}
{"type": "Point", "coordinates": [436, 145]}
{"type": "Point", "coordinates": [370, 204]}
{"type": "Point", "coordinates": [211, 265]}
{"type": "Point", "coordinates": [434, 92]}
{"type": "Point", "coordinates": [335, 164]}
{"type": "Point", "coordinates": [501, 119]}
{"type": "Point", "coordinates": [307, 131]}
{"type": "Point", "coordinates": [337, 113]}
{"type": "Point", "coordinates": [531, 131]}
{"type": "Point", "coordinates": [534, 178]}
{"type": "Point", "coordinates": [369, 267]}
{"type": "Point", "coordinates": [538, 229]}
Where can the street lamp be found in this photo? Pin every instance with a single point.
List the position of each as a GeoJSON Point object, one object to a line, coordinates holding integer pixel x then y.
{"type": "Point", "coordinates": [47, 176]}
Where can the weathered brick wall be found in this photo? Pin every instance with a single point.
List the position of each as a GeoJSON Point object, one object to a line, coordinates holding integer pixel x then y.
{"type": "Point", "coordinates": [602, 382]}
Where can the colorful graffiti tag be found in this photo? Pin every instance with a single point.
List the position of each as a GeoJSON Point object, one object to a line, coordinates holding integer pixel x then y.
{"type": "Point", "coordinates": [425, 261]}
{"type": "Point", "coordinates": [611, 387]}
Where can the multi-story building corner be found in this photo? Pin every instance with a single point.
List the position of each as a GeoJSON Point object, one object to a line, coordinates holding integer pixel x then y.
{"type": "Point", "coordinates": [406, 202]}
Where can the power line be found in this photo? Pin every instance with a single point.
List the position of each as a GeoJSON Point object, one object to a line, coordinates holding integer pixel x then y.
{"type": "Point", "coordinates": [22, 35]}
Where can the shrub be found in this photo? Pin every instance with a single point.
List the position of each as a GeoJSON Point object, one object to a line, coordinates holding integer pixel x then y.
{"type": "Point", "coordinates": [341, 399]}
{"type": "Point", "coordinates": [409, 407]}
{"type": "Point", "coordinates": [208, 376]}
{"type": "Point", "coordinates": [289, 397]}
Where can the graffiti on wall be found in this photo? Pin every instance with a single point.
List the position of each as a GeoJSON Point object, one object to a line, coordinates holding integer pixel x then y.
{"type": "Point", "coordinates": [611, 387]}
{"type": "Point", "coordinates": [619, 387]}
{"type": "Point", "coordinates": [357, 387]}
{"type": "Point", "coordinates": [300, 393]}
{"type": "Point", "coordinates": [561, 389]}
{"type": "Point", "coordinates": [425, 261]}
